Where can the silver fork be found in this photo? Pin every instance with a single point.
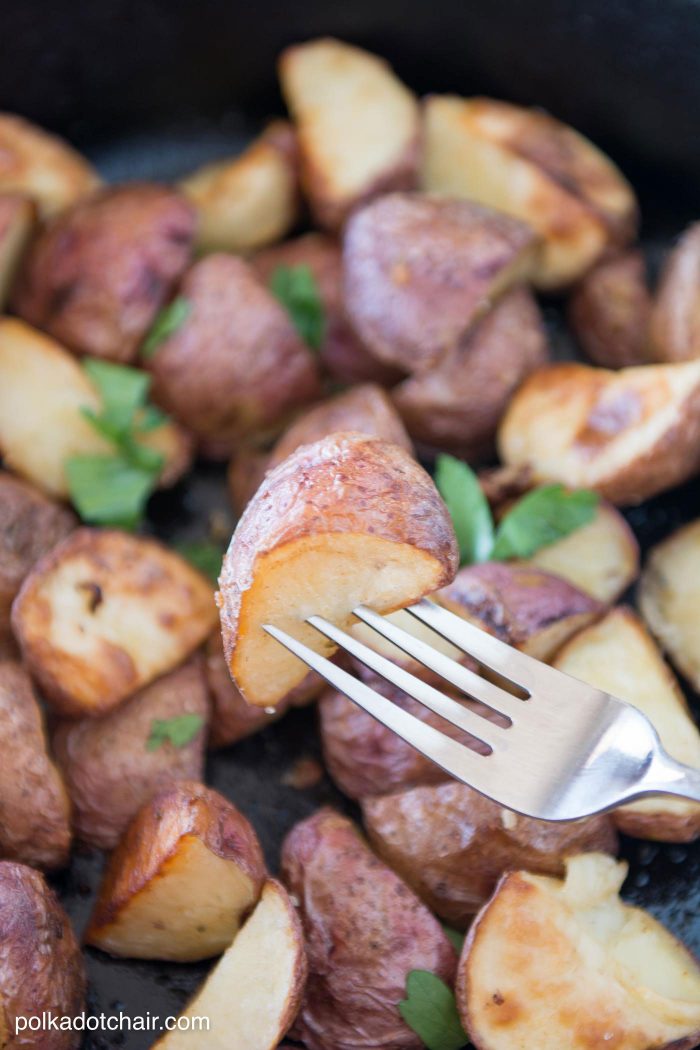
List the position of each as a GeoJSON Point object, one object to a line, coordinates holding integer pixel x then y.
{"type": "Point", "coordinates": [562, 751]}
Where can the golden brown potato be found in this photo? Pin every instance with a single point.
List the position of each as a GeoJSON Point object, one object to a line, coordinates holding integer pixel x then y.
{"type": "Point", "coordinates": [420, 269]}
{"type": "Point", "coordinates": [502, 485]}
{"type": "Point", "coordinates": [675, 315]}
{"type": "Point", "coordinates": [17, 222]}
{"type": "Point", "coordinates": [105, 613]}
{"type": "Point", "coordinates": [246, 470]}
{"type": "Point", "coordinates": [452, 845]}
{"type": "Point", "coordinates": [348, 520]}
{"type": "Point", "coordinates": [457, 405]}
{"type": "Point", "coordinates": [236, 367]}
{"type": "Point", "coordinates": [43, 391]}
{"type": "Point", "coordinates": [42, 166]}
{"type": "Point", "coordinates": [628, 434]}
{"type": "Point", "coordinates": [357, 126]}
{"type": "Point", "coordinates": [618, 656]}
{"type": "Point", "coordinates": [520, 604]}
{"type": "Point", "coordinates": [253, 993]}
{"type": "Point", "coordinates": [188, 869]}
{"type": "Point", "coordinates": [30, 525]}
{"type": "Point", "coordinates": [552, 964]}
{"type": "Point", "coordinates": [669, 598]}
{"type": "Point", "coordinates": [600, 558]}
{"type": "Point", "coordinates": [365, 931]}
{"type": "Point", "coordinates": [98, 274]}
{"type": "Point", "coordinates": [248, 201]}
{"type": "Point", "coordinates": [34, 805]}
{"type": "Point", "coordinates": [527, 164]}
{"type": "Point", "coordinates": [609, 312]}
{"type": "Point", "coordinates": [41, 967]}
{"type": "Point", "coordinates": [107, 765]}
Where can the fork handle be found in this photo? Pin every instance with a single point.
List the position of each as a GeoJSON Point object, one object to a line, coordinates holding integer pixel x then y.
{"type": "Point", "coordinates": [666, 776]}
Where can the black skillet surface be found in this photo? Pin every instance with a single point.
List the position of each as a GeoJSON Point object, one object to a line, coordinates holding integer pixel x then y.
{"type": "Point", "coordinates": [151, 88]}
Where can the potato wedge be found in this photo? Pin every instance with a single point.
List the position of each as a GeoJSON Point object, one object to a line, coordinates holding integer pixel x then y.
{"type": "Point", "coordinates": [619, 656]}
{"type": "Point", "coordinates": [603, 973]}
{"type": "Point", "coordinates": [452, 845]}
{"type": "Point", "coordinates": [34, 804]}
{"type": "Point", "coordinates": [43, 390]}
{"type": "Point", "coordinates": [628, 434]}
{"type": "Point", "coordinates": [609, 312]}
{"type": "Point", "coordinates": [42, 166]}
{"type": "Point", "coordinates": [97, 275]}
{"type": "Point", "coordinates": [236, 367]}
{"type": "Point", "coordinates": [457, 405]}
{"type": "Point", "coordinates": [107, 765]}
{"type": "Point", "coordinates": [17, 222]}
{"type": "Point", "coordinates": [347, 520]}
{"type": "Point", "coordinates": [41, 966]}
{"type": "Point", "coordinates": [675, 315]}
{"type": "Point", "coordinates": [420, 269]}
{"type": "Point", "coordinates": [600, 558]}
{"type": "Point", "coordinates": [105, 613]}
{"type": "Point", "coordinates": [252, 995]}
{"type": "Point", "coordinates": [365, 931]}
{"type": "Point", "coordinates": [187, 871]}
{"type": "Point", "coordinates": [527, 164]}
{"type": "Point", "coordinates": [357, 126]}
{"type": "Point", "coordinates": [248, 201]}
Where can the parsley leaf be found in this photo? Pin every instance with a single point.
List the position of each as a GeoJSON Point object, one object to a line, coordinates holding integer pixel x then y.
{"type": "Point", "coordinates": [122, 391]}
{"type": "Point", "coordinates": [543, 516]}
{"type": "Point", "coordinates": [455, 937]}
{"type": "Point", "coordinates": [430, 1010]}
{"type": "Point", "coordinates": [296, 289]}
{"type": "Point", "coordinates": [179, 731]}
{"type": "Point", "coordinates": [108, 490]}
{"type": "Point", "coordinates": [167, 322]}
{"type": "Point", "coordinates": [469, 509]}
{"type": "Point", "coordinates": [203, 555]}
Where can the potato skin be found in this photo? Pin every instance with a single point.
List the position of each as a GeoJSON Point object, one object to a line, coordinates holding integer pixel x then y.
{"type": "Point", "coordinates": [365, 931]}
{"type": "Point", "coordinates": [17, 224]}
{"type": "Point", "coordinates": [452, 844]}
{"type": "Point", "coordinates": [34, 804]}
{"type": "Point", "coordinates": [675, 317]}
{"type": "Point", "coordinates": [457, 405]}
{"type": "Point", "coordinates": [107, 768]}
{"type": "Point", "coordinates": [98, 274]}
{"type": "Point", "coordinates": [41, 967]}
{"type": "Point", "coordinates": [244, 476]}
{"type": "Point", "coordinates": [609, 312]}
{"type": "Point", "coordinates": [236, 367]}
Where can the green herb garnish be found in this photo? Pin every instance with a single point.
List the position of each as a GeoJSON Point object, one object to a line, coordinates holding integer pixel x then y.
{"type": "Point", "coordinates": [296, 289]}
{"type": "Point", "coordinates": [203, 555]}
{"type": "Point", "coordinates": [431, 1011]}
{"type": "Point", "coordinates": [167, 322]}
{"type": "Point", "coordinates": [178, 731]}
{"type": "Point", "coordinates": [455, 937]}
{"type": "Point", "coordinates": [469, 509]}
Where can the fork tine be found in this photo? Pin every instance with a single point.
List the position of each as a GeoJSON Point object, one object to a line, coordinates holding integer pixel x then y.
{"type": "Point", "coordinates": [451, 710]}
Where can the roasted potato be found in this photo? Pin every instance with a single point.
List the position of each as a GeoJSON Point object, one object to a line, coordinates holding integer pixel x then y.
{"type": "Point", "coordinates": [42, 166]}
{"type": "Point", "coordinates": [420, 269]}
{"type": "Point", "coordinates": [17, 221]}
{"type": "Point", "coordinates": [343, 356]}
{"type": "Point", "coordinates": [246, 470]}
{"type": "Point", "coordinates": [236, 367]}
{"type": "Point", "coordinates": [552, 964]}
{"type": "Point", "coordinates": [675, 315]}
{"type": "Point", "coordinates": [188, 869]}
{"type": "Point", "coordinates": [618, 656]}
{"type": "Point", "coordinates": [105, 613]}
{"type": "Point", "coordinates": [98, 274]}
{"type": "Point", "coordinates": [367, 526]}
{"type": "Point", "coordinates": [365, 931]}
{"type": "Point", "coordinates": [610, 310]}
{"type": "Point", "coordinates": [628, 434]}
{"type": "Point", "coordinates": [41, 967]}
{"type": "Point", "coordinates": [43, 391]}
{"type": "Point", "coordinates": [452, 845]}
{"type": "Point", "coordinates": [357, 126]}
{"type": "Point", "coordinates": [669, 594]}
{"type": "Point", "coordinates": [527, 164]}
{"type": "Point", "coordinates": [457, 405]}
{"type": "Point", "coordinates": [248, 201]}
{"type": "Point", "coordinates": [30, 525]}
{"type": "Point", "coordinates": [253, 993]}
{"type": "Point", "coordinates": [34, 804]}
{"type": "Point", "coordinates": [108, 767]}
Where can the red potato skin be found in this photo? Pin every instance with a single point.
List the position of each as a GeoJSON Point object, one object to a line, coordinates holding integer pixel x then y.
{"type": "Point", "coordinates": [100, 272]}
{"type": "Point", "coordinates": [675, 317]}
{"type": "Point", "coordinates": [244, 476]}
{"type": "Point", "coordinates": [609, 312]}
{"type": "Point", "coordinates": [365, 931]}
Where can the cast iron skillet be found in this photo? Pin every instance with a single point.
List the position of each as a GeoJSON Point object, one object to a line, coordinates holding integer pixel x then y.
{"type": "Point", "coordinates": [149, 88]}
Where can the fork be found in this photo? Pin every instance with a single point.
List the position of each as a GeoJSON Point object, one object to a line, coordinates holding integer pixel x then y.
{"type": "Point", "coordinates": [561, 749]}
